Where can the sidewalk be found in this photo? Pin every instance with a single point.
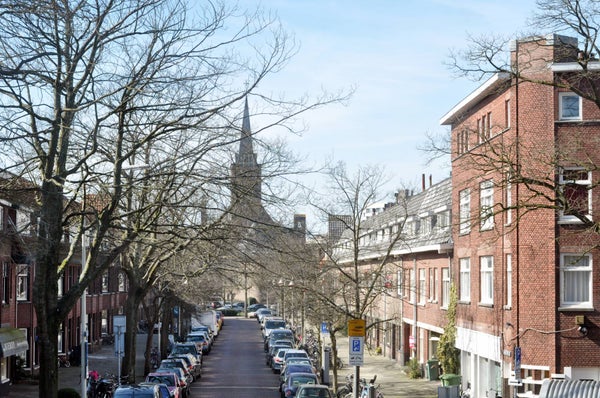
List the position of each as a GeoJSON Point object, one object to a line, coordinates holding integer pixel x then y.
{"type": "Point", "coordinates": [103, 360]}
{"type": "Point", "coordinates": [394, 383]}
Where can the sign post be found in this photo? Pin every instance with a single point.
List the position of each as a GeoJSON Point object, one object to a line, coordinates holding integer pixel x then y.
{"type": "Point", "coordinates": [356, 343]}
{"type": "Point", "coordinates": [119, 323]}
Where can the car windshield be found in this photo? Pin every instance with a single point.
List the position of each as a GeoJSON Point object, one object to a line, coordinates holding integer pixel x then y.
{"type": "Point", "coordinates": [313, 392]}
{"type": "Point", "coordinates": [183, 349]}
{"type": "Point", "coordinates": [296, 380]}
{"type": "Point", "coordinates": [274, 324]}
{"type": "Point", "coordinates": [163, 379]}
{"type": "Point", "coordinates": [147, 393]}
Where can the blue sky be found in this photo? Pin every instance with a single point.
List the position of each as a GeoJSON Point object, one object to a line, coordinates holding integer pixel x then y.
{"type": "Point", "coordinates": [393, 52]}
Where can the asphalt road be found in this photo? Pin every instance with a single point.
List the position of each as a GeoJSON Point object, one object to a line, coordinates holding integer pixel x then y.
{"type": "Point", "coordinates": [236, 365]}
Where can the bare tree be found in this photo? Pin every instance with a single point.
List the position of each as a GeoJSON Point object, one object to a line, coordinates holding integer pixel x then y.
{"type": "Point", "coordinates": [87, 91]}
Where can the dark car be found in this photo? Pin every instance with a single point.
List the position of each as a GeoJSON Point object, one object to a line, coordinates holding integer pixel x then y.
{"type": "Point", "coordinates": [289, 387]}
{"type": "Point", "coordinates": [294, 368]}
{"type": "Point", "coordinates": [187, 348]}
{"type": "Point", "coordinates": [279, 334]}
{"type": "Point", "coordinates": [162, 388]}
{"type": "Point", "coordinates": [313, 391]}
{"type": "Point", "coordinates": [135, 391]}
{"type": "Point", "coordinates": [200, 339]}
{"type": "Point", "coordinates": [170, 379]}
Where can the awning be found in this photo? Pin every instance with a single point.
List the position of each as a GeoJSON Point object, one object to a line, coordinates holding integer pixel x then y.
{"type": "Point", "coordinates": [570, 389]}
{"type": "Point", "coordinates": [12, 341]}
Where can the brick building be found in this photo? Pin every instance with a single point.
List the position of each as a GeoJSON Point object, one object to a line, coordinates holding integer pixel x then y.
{"type": "Point", "coordinates": [524, 204]}
{"type": "Point", "coordinates": [18, 228]}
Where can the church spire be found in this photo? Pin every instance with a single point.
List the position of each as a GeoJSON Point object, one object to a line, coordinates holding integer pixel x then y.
{"type": "Point", "coordinates": [246, 153]}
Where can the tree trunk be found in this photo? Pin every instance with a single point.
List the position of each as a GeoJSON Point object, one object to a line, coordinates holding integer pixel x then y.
{"type": "Point", "coordinates": [134, 298]}
{"type": "Point", "coordinates": [45, 286]}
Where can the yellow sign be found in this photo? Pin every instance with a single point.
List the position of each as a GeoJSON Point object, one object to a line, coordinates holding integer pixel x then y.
{"type": "Point", "coordinates": [356, 328]}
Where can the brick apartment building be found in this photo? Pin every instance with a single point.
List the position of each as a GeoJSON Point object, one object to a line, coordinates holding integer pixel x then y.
{"type": "Point", "coordinates": [18, 323]}
{"type": "Point", "coordinates": [522, 241]}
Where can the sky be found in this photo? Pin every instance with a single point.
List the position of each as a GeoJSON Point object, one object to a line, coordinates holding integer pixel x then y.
{"type": "Point", "coordinates": [393, 52]}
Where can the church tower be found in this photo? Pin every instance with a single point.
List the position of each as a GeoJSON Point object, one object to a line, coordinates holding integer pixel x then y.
{"type": "Point", "coordinates": [246, 179]}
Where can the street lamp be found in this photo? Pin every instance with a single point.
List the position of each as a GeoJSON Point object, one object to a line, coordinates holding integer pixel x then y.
{"type": "Point", "coordinates": [291, 286]}
{"type": "Point", "coordinates": [280, 283]}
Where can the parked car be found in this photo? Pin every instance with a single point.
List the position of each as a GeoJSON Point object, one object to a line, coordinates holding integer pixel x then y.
{"type": "Point", "coordinates": [302, 361]}
{"type": "Point", "coordinates": [204, 328]}
{"type": "Point", "coordinates": [294, 368]}
{"type": "Point", "coordinates": [278, 344]}
{"type": "Point", "coordinates": [170, 379]}
{"type": "Point", "coordinates": [180, 364]}
{"type": "Point", "coordinates": [313, 391]}
{"type": "Point", "coordinates": [262, 312]}
{"type": "Point", "coordinates": [194, 367]}
{"type": "Point", "coordinates": [162, 388]}
{"type": "Point", "coordinates": [183, 383]}
{"type": "Point", "coordinates": [136, 391]}
{"type": "Point", "coordinates": [280, 334]}
{"type": "Point", "coordinates": [290, 385]}
{"type": "Point", "coordinates": [187, 348]}
{"type": "Point", "coordinates": [272, 323]}
{"type": "Point", "coordinates": [201, 340]}
{"type": "Point", "coordinates": [277, 359]}
{"type": "Point", "coordinates": [295, 353]}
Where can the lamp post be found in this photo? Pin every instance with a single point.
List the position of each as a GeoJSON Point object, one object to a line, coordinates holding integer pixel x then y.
{"type": "Point", "coordinates": [83, 320]}
{"type": "Point", "coordinates": [280, 283]}
{"type": "Point", "coordinates": [292, 309]}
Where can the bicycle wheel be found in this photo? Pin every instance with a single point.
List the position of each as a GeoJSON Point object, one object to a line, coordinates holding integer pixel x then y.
{"type": "Point", "coordinates": [342, 392]}
{"type": "Point", "coordinates": [378, 394]}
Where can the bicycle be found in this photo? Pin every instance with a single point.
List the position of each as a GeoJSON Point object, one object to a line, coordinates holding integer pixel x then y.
{"type": "Point", "coordinates": [367, 389]}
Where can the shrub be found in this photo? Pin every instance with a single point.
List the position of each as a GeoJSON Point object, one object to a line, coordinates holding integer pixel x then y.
{"type": "Point", "coordinates": [414, 368]}
{"type": "Point", "coordinates": [68, 393]}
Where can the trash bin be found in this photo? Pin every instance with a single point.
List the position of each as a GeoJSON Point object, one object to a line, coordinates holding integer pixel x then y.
{"type": "Point", "coordinates": [432, 369]}
{"type": "Point", "coordinates": [450, 379]}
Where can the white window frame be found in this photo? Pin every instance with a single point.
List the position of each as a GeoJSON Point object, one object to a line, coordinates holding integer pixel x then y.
{"type": "Point", "coordinates": [464, 211]}
{"type": "Point", "coordinates": [486, 205]}
{"type": "Point", "coordinates": [22, 286]}
{"type": "Point", "coordinates": [400, 286]}
{"type": "Point", "coordinates": [508, 199]}
{"type": "Point", "coordinates": [433, 285]}
{"type": "Point", "coordinates": [562, 96]}
{"type": "Point", "coordinates": [574, 263]}
{"type": "Point", "coordinates": [508, 304]}
{"type": "Point", "coordinates": [486, 280]}
{"type": "Point", "coordinates": [567, 218]}
{"type": "Point", "coordinates": [445, 287]}
{"type": "Point", "coordinates": [105, 282]}
{"type": "Point", "coordinates": [422, 282]}
{"type": "Point", "coordinates": [465, 279]}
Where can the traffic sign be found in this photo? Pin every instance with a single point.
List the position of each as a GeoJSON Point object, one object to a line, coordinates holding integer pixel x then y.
{"type": "Point", "coordinates": [356, 347]}
{"type": "Point", "coordinates": [356, 327]}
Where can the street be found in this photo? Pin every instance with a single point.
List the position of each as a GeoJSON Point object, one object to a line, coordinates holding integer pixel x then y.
{"type": "Point", "coordinates": [236, 366]}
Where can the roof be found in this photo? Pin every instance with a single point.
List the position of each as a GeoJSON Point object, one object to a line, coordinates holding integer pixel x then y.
{"type": "Point", "coordinates": [569, 389]}
{"type": "Point", "coordinates": [487, 88]}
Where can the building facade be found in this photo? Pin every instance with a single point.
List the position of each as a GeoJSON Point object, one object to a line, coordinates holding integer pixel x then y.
{"type": "Point", "coordinates": [524, 205]}
{"type": "Point", "coordinates": [18, 229]}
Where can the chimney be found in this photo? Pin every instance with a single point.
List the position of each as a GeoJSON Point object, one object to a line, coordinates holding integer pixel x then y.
{"type": "Point", "coordinates": [423, 181]}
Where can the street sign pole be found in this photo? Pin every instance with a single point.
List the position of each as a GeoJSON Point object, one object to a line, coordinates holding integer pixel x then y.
{"type": "Point", "coordinates": [356, 342]}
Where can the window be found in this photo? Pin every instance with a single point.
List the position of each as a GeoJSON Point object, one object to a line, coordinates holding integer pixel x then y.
{"type": "Point", "coordinates": [443, 220]}
{"type": "Point", "coordinates": [569, 106]}
{"type": "Point", "coordinates": [22, 282]}
{"type": "Point", "coordinates": [105, 282]}
{"type": "Point", "coordinates": [507, 114]}
{"type": "Point", "coordinates": [465, 279]}
{"type": "Point", "coordinates": [422, 292]}
{"type": "Point", "coordinates": [433, 285]}
{"type": "Point", "coordinates": [426, 225]}
{"type": "Point", "coordinates": [413, 286]}
{"type": "Point", "coordinates": [575, 280]}
{"type": "Point", "coordinates": [508, 199]}
{"type": "Point", "coordinates": [465, 211]}
{"type": "Point", "coordinates": [482, 129]}
{"type": "Point", "coordinates": [486, 264]}
{"type": "Point", "coordinates": [445, 287]}
{"type": "Point", "coordinates": [576, 184]}
{"type": "Point", "coordinates": [400, 283]}
{"type": "Point", "coordinates": [463, 141]}
{"type": "Point", "coordinates": [5, 281]}
{"type": "Point", "coordinates": [486, 205]}
{"type": "Point", "coordinates": [508, 281]}
{"type": "Point", "coordinates": [488, 127]}
{"type": "Point", "coordinates": [121, 277]}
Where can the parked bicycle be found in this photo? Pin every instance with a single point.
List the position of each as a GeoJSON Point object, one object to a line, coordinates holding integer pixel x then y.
{"type": "Point", "coordinates": [102, 387]}
{"type": "Point", "coordinates": [63, 361]}
{"type": "Point", "coordinates": [370, 390]}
